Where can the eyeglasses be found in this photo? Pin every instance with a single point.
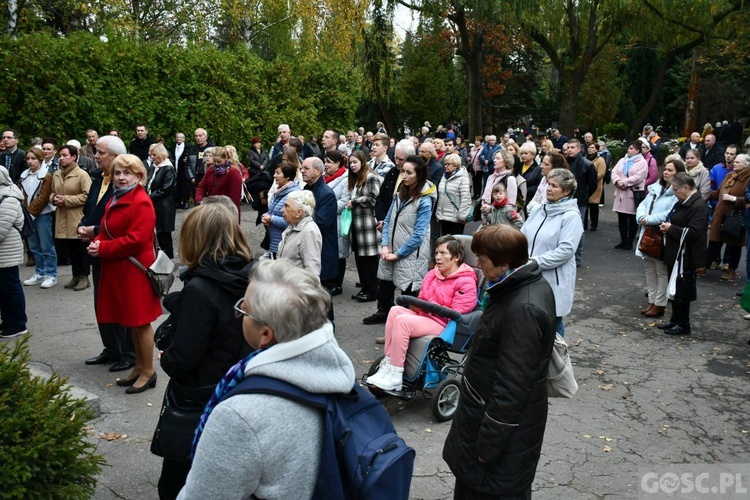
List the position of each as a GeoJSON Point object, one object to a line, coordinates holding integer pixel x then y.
{"type": "Point", "coordinates": [239, 312]}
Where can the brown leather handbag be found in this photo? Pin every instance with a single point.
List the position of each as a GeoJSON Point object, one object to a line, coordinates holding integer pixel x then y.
{"type": "Point", "coordinates": [652, 241]}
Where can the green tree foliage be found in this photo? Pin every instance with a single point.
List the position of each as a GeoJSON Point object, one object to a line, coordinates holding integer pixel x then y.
{"type": "Point", "coordinates": [379, 63]}
{"type": "Point", "coordinates": [43, 448]}
{"type": "Point", "coordinates": [80, 82]}
{"type": "Point", "coordinates": [602, 91]}
{"type": "Point", "coordinates": [428, 88]}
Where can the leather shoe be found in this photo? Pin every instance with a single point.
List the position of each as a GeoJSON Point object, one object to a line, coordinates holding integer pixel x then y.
{"type": "Point", "coordinates": [335, 290]}
{"type": "Point", "coordinates": [677, 330]}
{"type": "Point", "coordinates": [126, 382]}
{"type": "Point", "coordinates": [366, 297]}
{"type": "Point", "coordinates": [647, 309]}
{"type": "Point", "coordinates": [150, 384]}
{"type": "Point", "coordinates": [121, 365]}
{"type": "Point", "coordinates": [380, 340]}
{"type": "Point", "coordinates": [376, 319]}
{"type": "Point", "coordinates": [666, 326]}
{"type": "Point", "coordinates": [99, 360]}
{"type": "Point", "coordinates": [655, 312]}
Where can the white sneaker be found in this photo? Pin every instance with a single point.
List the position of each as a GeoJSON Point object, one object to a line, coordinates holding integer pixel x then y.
{"type": "Point", "coordinates": [34, 280]}
{"type": "Point", "coordinates": [392, 379]}
{"type": "Point", "coordinates": [377, 377]}
{"type": "Point", "coordinates": [49, 282]}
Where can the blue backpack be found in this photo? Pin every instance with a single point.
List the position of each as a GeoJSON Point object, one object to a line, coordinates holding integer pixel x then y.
{"type": "Point", "coordinates": [362, 456]}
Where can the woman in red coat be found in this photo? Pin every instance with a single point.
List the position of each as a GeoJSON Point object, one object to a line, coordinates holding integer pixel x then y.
{"type": "Point", "coordinates": [125, 294]}
{"type": "Point", "coordinates": [224, 177]}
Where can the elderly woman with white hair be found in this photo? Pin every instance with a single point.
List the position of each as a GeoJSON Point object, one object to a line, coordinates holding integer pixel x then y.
{"type": "Point", "coordinates": [531, 172]}
{"type": "Point", "coordinates": [301, 241]}
{"type": "Point", "coordinates": [160, 186]}
{"type": "Point", "coordinates": [259, 445]}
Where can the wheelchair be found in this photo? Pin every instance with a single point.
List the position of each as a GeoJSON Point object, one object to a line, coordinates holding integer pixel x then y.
{"type": "Point", "coordinates": [434, 363]}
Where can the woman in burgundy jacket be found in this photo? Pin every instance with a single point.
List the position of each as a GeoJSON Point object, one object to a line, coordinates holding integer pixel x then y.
{"type": "Point", "coordinates": [223, 177]}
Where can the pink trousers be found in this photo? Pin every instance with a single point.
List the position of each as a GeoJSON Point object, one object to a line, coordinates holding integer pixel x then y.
{"type": "Point", "coordinates": [404, 324]}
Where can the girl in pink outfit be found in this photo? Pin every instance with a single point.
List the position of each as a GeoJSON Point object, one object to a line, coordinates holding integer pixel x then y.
{"type": "Point", "coordinates": [451, 284]}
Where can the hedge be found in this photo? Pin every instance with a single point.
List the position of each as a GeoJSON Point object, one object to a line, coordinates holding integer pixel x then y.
{"type": "Point", "coordinates": [61, 87]}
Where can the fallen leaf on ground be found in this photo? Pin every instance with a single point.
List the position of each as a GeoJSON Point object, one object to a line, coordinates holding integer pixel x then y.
{"type": "Point", "coordinates": [599, 372]}
{"type": "Point", "coordinates": [627, 395]}
{"type": "Point", "coordinates": [149, 404]}
{"type": "Point", "coordinates": [609, 440]}
{"type": "Point", "coordinates": [577, 343]}
{"type": "Point", "coordinates": [588, 436]}
{"type": "Point", "coordinates": [428, 430]}
{"type": "Point", "coordinates": [110, 436]}
{"type": "Point", "coordinates": [606, 449]}
{"type": "Point", "coordinates": [110, 385]}
{"type": "Point", "coordinates": [606, 387]}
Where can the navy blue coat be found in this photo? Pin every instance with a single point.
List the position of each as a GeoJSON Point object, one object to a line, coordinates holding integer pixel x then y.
{"type": "Point", "coordinates": [325, 218]}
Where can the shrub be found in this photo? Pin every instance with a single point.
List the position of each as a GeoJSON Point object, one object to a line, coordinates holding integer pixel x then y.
{"type": "Point", "coordinates": [615, 130]}
{"type": "Point", "coordinates": [43, 448]}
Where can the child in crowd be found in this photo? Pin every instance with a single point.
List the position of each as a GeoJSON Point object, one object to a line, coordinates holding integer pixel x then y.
{"type": "Point", "coordinates": [502, 211]}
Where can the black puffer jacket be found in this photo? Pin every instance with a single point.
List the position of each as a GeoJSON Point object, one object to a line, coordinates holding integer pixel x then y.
{"type": "Point", "coordinates": [208, 337]}
{"type": "Point", "coordinates": [693, 215]}
{"type": "Point", "coordinates": [502, 413]}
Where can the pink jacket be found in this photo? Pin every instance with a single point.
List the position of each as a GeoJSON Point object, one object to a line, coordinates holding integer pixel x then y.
{"type": "Point", "coordinates": [624, 201]}
{"type": "Point", "coordinates": [457, 291]}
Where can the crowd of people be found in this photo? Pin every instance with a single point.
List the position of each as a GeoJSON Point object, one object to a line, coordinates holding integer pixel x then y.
{"type": "Point", "coordinates": [106, 209]}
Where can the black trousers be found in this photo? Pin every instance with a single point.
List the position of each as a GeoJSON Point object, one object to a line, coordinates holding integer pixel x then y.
{"type": "Point", "coordinates": [165, 243]}
{"type": "Point", "coordinates": [448, 227]}
{"type": "Point", "coordinates": [79, 259]}
{"type": "Point", "coordinates": [386, 292]}
{"type": "Point", "coordinates": [462, 491]}
{"type": "Point", "coordinates": [476, 178]}
{"type": "Point", "coordinates": [367, 269]}
{"type": "Point", "coordinates": [680, 314]}
{"type": "Point", "coordinates": [174, 473]}
{"type": "Point", "coordinates": [182, 193]}
{"type": "Point", "coordinates": [593, 215]}
{"type": "Point", "coordinates": [628, 227]}
{"type": "Point", "coordinates": [117, 340]}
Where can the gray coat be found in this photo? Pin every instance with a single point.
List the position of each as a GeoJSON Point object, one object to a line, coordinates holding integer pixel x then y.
{"type": "Point", "coordinates": [404, 231]}
{"type": "Point", "coordinates": [302, 245]}
{"type": "Point", "coordinates": [363, 216]}
{"type": "Point", "coordinates": [340, 187]}
{"type": "Point", "coordinates": [454, 200]}
{"type": "Point", "coordinates": [11, 222]}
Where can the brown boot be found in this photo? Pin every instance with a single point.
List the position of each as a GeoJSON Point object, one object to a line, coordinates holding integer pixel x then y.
{"type": "Point", "coordinates": [700, 272]}
{"type": "Point", "coordinates": [647, 309]}
{"type": "Point", "coordinates": [729, 275]}
{"type": "Point", "coordinates": [655, 312]}
{"type": "Point", "coordinates": [72, 283]}
{"type": "Point", "coordinates": [83, 283]}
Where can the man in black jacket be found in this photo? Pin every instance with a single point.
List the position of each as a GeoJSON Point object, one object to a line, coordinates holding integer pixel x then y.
{"type": "Point", "coordinates": [117, 340]}
{"type": "Point", "coordinates": [13, 158]}
{"type": "Point", "coordinates": [179, 155]}
{"type": "Point", "coordinates": [587, 180]}
{"type": "Point", "coordinates": [142, 141]}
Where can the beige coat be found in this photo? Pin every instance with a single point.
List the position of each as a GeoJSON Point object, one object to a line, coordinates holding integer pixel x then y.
{"type": "Point", "coordinates": [73, 183]}
{"type": "Point", "coordinates": [601, 169]}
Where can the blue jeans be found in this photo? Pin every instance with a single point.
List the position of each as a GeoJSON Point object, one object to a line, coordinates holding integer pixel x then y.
{"type": "Point", "coordinates": [42, 245]}
{"type": "Point", "coordinates": [12, 299]}
{"type": "Point", "coordinates": [559, 327]}
{"type": "Point", "coordinates": [579, 251]}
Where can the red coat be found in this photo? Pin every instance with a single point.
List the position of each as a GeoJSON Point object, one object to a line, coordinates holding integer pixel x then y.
{"type": "Point", "coordinates": [229, 184]}
{"type": "Point", "coordinates": [125, 294]}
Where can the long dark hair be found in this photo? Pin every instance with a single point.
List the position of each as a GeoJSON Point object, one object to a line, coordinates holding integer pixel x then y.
{"type": "Point", "coordinates": [360, 177]}
{"type": "Point", "coordinates": [420, 168]}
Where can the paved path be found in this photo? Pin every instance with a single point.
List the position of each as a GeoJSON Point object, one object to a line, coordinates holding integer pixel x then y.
{"type": "Point", "coordinates": [645, 399]}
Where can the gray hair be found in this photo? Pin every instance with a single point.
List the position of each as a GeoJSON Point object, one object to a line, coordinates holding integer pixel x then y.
{"type": "Point", "coordinates": [283, 126]}
{"type": "Point", "coordinates": [303, 199]}
{"type": "Point", "coordinates": [681, 179]}
{"type": "Point", "coordinates": [566, 178]}
{"type": "Point", "coordinates": [220, 199]}
{"type": "Point", "coordinates": [405, 146]}
{"type": "Point", "coordinates": [112, 144]}
{"type": "Point", "coordinates": [317, 164]}
{"type": "Point", "coordinates": [290, 300]}
{"type": "Point", "coordinates": [745, 159]}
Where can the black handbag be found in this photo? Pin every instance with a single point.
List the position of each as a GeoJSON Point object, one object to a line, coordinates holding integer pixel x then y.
{"type": "Point", "coordinates": [180, 413]}
{"type": "Point", "coordinates": [638, 196]}
{"type": "Point", "coordinates": [731, 228]}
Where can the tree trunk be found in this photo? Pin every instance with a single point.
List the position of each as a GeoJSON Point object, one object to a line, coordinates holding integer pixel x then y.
{"type": "Point", "coordinates": [12, 17]}
{"type": "Point", "coordinates": [571, 95]}
{"type": "Point", "coordinates": [691, 108]}
{"type": "Point", "coordinates": [474, 75]}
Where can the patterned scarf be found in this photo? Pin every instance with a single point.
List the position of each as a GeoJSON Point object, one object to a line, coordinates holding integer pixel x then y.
{"type": "Point", "coordinates": [234, 376]}
{"type": "Point", "coordinates": [220, 170]}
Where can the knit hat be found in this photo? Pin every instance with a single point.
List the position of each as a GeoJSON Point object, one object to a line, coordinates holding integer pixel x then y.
{"type": "Point", "coordinates": [255, 140]}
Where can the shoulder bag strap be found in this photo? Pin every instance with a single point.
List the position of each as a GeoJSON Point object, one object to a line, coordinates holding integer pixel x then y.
{"type": "Point", "coordinates": [135, 261]}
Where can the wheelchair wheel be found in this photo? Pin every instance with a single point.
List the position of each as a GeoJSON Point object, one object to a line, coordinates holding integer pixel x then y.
{"type": "Point", "coordinates": [375, 391]}
{"type": "Point", "coordinates": [446, 398]}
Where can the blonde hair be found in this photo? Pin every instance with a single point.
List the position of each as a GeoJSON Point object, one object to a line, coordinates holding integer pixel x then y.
{"type": "Point", "coordinates": [222, 155]}
{"type": "Point", "coordinates": [132, 163]}
{"type": "Point", "coordinates": [211, 232]}
{"type": "Point", "coordinates": [452, 159]}
{"type": "Point", "coordinates": [233, 156]}
{"type": "Point", "coordinates": [159, 150]}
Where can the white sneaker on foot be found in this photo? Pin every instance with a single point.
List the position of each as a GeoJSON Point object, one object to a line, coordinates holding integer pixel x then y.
{"type": "Point", "coordinates": [49, 282]}
{"type": "Point", "coordinates": [34, 280]}
{"type": "Point", "coordinates": [391, 378]}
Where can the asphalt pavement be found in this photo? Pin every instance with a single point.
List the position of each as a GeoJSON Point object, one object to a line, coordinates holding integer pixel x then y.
{"type": "Point", "coordinates": [645, 399]}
